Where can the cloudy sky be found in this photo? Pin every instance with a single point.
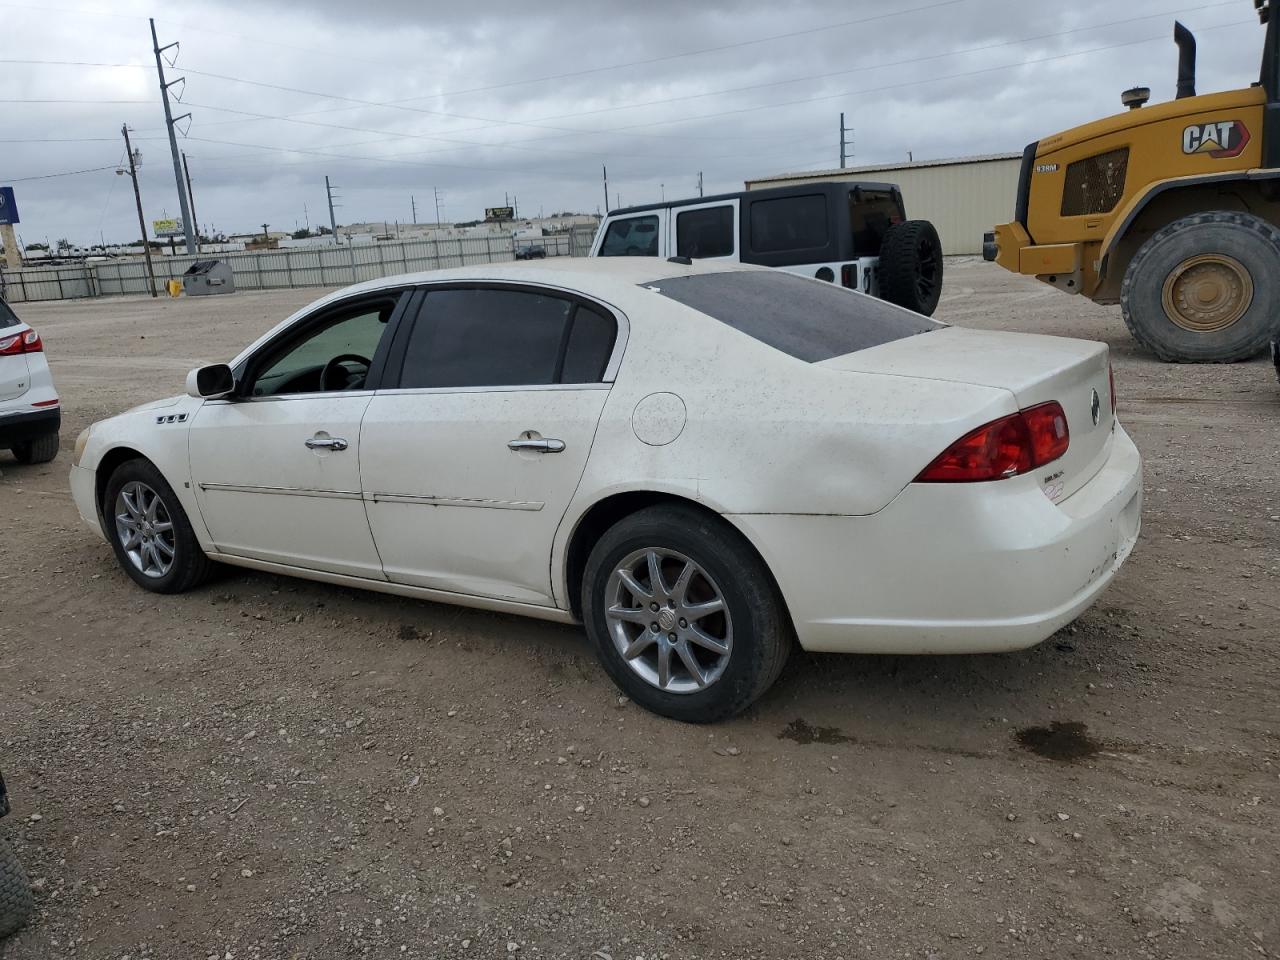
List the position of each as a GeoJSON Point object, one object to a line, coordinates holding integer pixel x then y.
{"type": "Point", "coordinates": [395, 98]}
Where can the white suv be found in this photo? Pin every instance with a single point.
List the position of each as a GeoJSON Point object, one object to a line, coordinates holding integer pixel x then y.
{"type": "Point", "coordinates": [30, 413]}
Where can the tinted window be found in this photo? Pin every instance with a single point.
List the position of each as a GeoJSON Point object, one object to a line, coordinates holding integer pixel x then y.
{"type": "Point", "coordinates": [808, 319]}
{"type": "Point", "coordinates": [631, 237]}
{"type": "Point", "coordinates": [485, 338]}
{"type": "Point", "coordinates": [789, 223]}
{"type": "Point", "coordinates": [351, 335]}
{"type": "Point", "coordinates": [590, 345]}
{"type": "Point", "coordinates": [7, 318]}
{"type": "Point", "coordinates": [705, 233]}
{"type": "Point", "coordinates": [871, 212]}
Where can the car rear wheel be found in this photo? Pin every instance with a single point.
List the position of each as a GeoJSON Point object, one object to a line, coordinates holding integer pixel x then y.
{"type": "Point", "coordinates": [15, 891]}
{"type": "Point", "coordinates": [40, 450]}
{"type": "Point", "coordinates": [149, 531]}
{"type": "Point", "coordinates": [684, 614]}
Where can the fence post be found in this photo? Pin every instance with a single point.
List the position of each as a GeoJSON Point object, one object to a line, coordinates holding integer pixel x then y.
{"type": "Point", "coordinates": [351, 256]}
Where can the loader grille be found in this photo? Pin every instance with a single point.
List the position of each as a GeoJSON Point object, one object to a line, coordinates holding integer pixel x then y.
{"type": "Point", "coordinates": [1094, 184]}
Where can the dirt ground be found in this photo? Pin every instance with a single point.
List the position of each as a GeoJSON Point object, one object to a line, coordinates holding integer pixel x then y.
{"type": "Point", "coordinates": [270, 768]}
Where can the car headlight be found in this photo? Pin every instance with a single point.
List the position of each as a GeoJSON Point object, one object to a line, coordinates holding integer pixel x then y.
{"type": "Point", "coordinates": [82, 441]}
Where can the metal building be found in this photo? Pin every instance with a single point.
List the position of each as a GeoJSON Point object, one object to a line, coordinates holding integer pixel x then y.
{"type": "Point", "coordinates": [964, 196]}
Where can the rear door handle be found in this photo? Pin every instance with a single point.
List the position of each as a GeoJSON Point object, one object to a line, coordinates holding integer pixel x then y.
{"type": "Point", "coordinates": [540, 445]}
{"type": "Point", "coordinates": [326, 443]}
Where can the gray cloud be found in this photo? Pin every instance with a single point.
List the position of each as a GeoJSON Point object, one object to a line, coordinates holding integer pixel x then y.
{"type": "Point", "coordinates": [482, 123]}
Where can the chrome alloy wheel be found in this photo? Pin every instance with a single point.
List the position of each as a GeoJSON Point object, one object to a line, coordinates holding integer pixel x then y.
{"type": "Point", "coordinates": [669, 620]}
{"type": "Point", "coordinates": [145, 529]}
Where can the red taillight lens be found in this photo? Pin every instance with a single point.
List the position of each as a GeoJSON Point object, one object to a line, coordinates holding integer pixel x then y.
{"type": "Point", "coordinates": [1047, 424]}
{"type": "Point", "coordinates": [849, 276]}
{"type": "Point", "coordinates": [1003, 448]}
{"type": "Point", "coordinates": [26, 342]}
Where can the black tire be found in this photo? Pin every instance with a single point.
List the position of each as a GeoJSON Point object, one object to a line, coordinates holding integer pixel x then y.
{"type": "Point", "coordinates": [190, 567]}
{"type": "Point", "coordinates": [762, 634]}
{"type": "Point", "coordinates": [40, 450]}
{"type": "Point", "coordinates": [911, 266]}
{"type": "Point", "coordinates": [1250, 241]}
{"type": "Point", "coordinates": [16, 902]}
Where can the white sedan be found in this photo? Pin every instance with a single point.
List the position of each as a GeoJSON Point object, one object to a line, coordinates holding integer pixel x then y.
{"type": "Point", "coordinates": [703, 463]}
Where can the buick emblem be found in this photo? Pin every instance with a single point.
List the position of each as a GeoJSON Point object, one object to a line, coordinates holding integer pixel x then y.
{"type": "Point", "coordinates": [1095, 407]}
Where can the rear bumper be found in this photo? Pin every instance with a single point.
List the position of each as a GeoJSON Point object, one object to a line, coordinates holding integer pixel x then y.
{"type": "Point", "coordinates": [21, 427]}
{"type": "Point", "coordinates": [955, 568]}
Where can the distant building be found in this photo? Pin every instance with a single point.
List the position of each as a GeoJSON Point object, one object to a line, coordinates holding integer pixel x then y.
{"type": "Point", "coordinates": [964, 196]}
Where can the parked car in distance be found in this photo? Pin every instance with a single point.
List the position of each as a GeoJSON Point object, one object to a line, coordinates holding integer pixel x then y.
{"type": "Point", "coordinates": [15, 889]}
{"type": "Point", "coordinates": [849, 232]}
{"type": "Point", "coordinates": [30, 413]}
{"type": "Point", "coordinates": [701, 462]}
{"type": "Point", "coordinates": [531, 251]}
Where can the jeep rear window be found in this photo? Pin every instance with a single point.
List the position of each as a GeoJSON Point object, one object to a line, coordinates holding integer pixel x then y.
{"type": "Point", "coordinates": [7, 316]}
{"type": "Point", "coordinates": [808, 319]}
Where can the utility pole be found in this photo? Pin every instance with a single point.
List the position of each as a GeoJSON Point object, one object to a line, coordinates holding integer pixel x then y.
{"type": "Point", "coordinates": [515, 207]}
{"type": "Point", "coordinates": [173, 139]}
{"type": "Point", "coordinates": [605, 171]}
{"type": "Point", "coordinates": [414, 207]}
{"type": "Point", "coordinates": [186, 172]}
{"type": "Point", "coordinates": [436, 193]}
{"type": "Point", "coordinates": [333, 224]}
{"type": "Point", "coordinates": [663, 188]}
{"type": "Point", "coordinates": [699, 183]}
{"type": "Point", "coordinates": [134, 160]}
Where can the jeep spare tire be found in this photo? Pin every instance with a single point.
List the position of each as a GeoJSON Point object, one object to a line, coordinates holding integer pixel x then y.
{"type": "Point", "coordinates": [911, 266]}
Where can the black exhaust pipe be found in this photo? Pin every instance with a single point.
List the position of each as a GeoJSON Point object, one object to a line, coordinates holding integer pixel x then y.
{"type": "Point", "coordinates": [1186, 60]}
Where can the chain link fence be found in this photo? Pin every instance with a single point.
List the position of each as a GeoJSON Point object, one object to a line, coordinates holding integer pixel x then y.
{"type": "Point", "coordinates": [335, 266]}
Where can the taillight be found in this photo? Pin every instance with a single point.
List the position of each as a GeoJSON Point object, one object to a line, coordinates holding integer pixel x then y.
{"type": "Point", "coordinates": [849, 276]}
{"type": "Point", "coordinates": [26, 342]}
{"type": "Point", "coordinates": [1003, 448]}
{"type": "Point", "coordinates": [1111, 377]}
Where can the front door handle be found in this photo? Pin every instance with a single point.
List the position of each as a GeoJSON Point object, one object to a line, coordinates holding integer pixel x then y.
{"type": "Point", "coordinates": [540, 445]}
{"type": "Point", "coordinates": [326, 443]}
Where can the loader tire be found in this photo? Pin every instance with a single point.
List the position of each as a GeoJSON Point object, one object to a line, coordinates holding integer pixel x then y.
{"type": "Point", "coordinates": [1205, 289]}
{"type": "Point", "coordinates": [15, 891]}
{"type": "Point", "coordinates": [911, 266]}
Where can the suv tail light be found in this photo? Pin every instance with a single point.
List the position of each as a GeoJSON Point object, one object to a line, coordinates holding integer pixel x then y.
{"type": "Point", "coordinates": [849, 276]}
{"type": "Point", "coordinates": [1003, 448]}
{"type": "Point", "coordinates": [28, 341]}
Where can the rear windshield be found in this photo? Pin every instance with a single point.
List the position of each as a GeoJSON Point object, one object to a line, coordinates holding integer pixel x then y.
{"type": "Point", "coordinates": [7, 318]}
{"type": "Point", "coordinates": [808, 319]}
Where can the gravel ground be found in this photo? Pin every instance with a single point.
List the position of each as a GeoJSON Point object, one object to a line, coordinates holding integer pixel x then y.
{"type": "Point", "coordinates": [272, 768]}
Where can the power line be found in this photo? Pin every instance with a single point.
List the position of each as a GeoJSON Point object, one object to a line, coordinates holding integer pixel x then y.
{"type": "Point", "coordinates": [51, 176]}
{"type": "Point", "coordinates": [89, 102]}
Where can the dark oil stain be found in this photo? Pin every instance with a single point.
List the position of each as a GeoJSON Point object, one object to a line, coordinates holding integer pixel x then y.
{"type": "Point", "coordinates": [1065, 742]}
{"type": "Point", "coordinates": [409, 632]}
{"type": "Point", "coordinates": [801, 732]}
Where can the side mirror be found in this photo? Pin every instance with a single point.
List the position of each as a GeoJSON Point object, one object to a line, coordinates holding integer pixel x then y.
{"type": "Point", "coordinates": [211, 382]}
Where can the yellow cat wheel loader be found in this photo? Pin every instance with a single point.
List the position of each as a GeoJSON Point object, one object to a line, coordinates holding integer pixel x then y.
{"type": "Point", "coordinates": [1172, 211]}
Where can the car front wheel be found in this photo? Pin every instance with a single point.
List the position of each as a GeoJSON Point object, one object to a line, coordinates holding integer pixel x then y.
{"type": "Point", "coordinates": [149, 531]}
{"type": "Point", "coordinates": [684, 614]}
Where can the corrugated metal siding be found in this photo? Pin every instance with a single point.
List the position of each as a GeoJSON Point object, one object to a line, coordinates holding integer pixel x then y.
{"type": "Point", "coordinates": [963, 199]}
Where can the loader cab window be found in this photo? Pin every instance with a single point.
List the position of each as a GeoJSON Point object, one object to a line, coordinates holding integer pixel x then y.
{"type": "Point", "coordinates": [631, 237]}
{"type": "Point", "coordinates": [871, 213]}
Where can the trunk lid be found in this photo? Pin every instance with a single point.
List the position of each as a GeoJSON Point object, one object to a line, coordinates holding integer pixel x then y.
{"type": "Point", "coordinates": [1034, 368]}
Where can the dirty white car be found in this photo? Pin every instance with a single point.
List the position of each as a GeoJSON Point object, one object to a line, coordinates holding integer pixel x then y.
{"type": "Point", "coordinates": [30, 411]}
{"type": "Point", "coordinates": [703, 463]}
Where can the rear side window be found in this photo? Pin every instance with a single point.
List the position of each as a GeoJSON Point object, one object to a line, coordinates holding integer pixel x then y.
{"type": "Point", "coordinates": [7, 316]}
{"type": "Point", "coordinates": [789, 223]}
{"type": "Point", "coordinates": [631, 237]}
{"type": "Point", "coordinates": [707, 232]}
{"type": "Point", "coordinates": [486, 337]}
{"type": "Point", "coordinates": [808, 319]}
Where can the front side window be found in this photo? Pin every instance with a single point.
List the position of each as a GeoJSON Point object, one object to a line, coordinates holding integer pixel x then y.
{"type": "Point", "coordinates": [631, 237]}
{"type": "Point", "coordinates": [335, 357]}
{"type": "Point", "coordinates": [488, 337]}
{"type": "Point", "coordinates": [789, 223]}
{"type": "Point", "coordinates": [706, 232]}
